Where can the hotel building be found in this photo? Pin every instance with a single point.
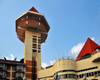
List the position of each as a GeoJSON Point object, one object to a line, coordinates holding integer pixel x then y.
{"type": "Point", "coordinates": [32, 29]}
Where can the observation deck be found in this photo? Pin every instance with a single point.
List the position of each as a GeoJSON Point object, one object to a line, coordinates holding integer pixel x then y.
{"type": "Point", "coordinates": [33, 21]}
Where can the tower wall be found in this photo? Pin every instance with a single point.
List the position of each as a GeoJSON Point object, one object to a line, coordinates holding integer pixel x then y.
{"type": "Point", "coordinates": [32, 55]}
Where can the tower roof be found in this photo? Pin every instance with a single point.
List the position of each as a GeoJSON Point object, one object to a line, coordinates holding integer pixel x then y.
{"type": "Point", "coordinates": [88, 47]}
{"type": "Point", "coordinates": [33, 9]}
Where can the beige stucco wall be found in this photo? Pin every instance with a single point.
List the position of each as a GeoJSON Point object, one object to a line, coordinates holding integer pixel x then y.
{"type": "Point", "coordinates": [46, 72]}
{"type": "Point", "coordinates": [64, 64]}
{"type": "Point", "coordinates": [83, 64]}
{"type": "Point", "coordinates": [87, 63]}
{"type": "Point", "coordinates": [66, 73]}
{"type": "Point", "coordinates": [28, 44]}
{"type": "Point", "coordinates": [69, 64]}
{"type": "Point", "coordinates": [90, 78]}
{"type": "Point", "coordinates": [95, 56]}
{"type": "Point", "coordinates": [67, 79]}
{"type": "Point", "coordinates": [28, 49]}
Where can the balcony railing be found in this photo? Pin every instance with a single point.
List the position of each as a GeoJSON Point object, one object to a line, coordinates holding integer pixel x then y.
{"type": "Point", "coordinates": [65, 57]}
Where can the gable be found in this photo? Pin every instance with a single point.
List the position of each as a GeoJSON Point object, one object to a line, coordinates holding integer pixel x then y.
{"type": "Point", "coordinates": [33, 9]}
{"type": "Point", "coordinates": [88, 47]}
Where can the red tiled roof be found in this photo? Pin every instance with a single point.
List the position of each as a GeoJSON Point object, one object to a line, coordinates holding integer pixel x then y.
{"type": "Point", "coordinates": [88, 47]}
{"type": "Point", "coordinates": [33, 9]}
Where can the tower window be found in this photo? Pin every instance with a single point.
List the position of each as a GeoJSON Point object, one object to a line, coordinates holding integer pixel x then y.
{"type": "Point", "coordinates": [34, 50]}
{"type": "Point", "coordinates": [34, 45]}
{"type": "Point", "coordinates": [39, 51]}
{"type": "Point", "coordinates": [34, 36]}
{"type": "Point", "coordinates": [34, 40]}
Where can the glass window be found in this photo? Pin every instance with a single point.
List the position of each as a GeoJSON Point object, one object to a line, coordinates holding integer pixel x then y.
{"type": "Point", "coordinates": [2, 66]}
{"type": "Point", "coordinates": [67, 75]}
{"type": "Point", "coordinates": [19, 67]}
{"type": "Point", "coordinates": [29, 16]}
{"type": "Point", "coordinates": [98, 74]}
{"type": "Point", "coordinates": [23, 18]}
{"type": "Point", "coordinates": [61, 77]}
{"type": "Point", "coordinates": [98, 50]}
{"type": "Point", "coordinates": [39, 18]}
{"type": "Point", "coordinates": [92, 74]}
{"type": "Point", "coordinates": [14, 68]}
{"type": "Point", "coordinates": [19, 75]}
{"type": "Point", "coordinates": [2, 73]}
{"type": "Point", "coordinates": [58, 77]}
{"type": "Point", "coordinates": [77, 76]}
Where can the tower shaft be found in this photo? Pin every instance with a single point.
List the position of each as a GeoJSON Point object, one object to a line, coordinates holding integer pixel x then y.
{"type": "Point", "coordinates": [32, 55]}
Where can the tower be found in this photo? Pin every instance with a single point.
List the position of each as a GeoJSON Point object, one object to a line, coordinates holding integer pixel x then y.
{"type": "Point", "coordinates": [32, 29]}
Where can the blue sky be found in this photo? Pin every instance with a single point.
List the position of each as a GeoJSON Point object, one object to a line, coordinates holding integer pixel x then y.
{"type": "Point", "coordinates": [71, 23]}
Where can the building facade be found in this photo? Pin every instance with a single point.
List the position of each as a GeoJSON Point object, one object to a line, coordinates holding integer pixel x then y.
{"type": "Point", "coordinates": [32, 29]}
{"type": "Point", "coordinates": [85, 67]}
{"type": "Point", "coordinates": [11, 70]}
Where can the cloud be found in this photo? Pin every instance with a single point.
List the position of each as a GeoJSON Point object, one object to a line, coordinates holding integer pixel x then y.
{"type": "Point", "coordinates": [44, 65]}
{"type": "Point", "coordinates": [12, 57]}
{"type": "Point", "coordinates": [52, 62]}
{"type": "Point", "coordinates": [76, 49]}
{"type": "Point", "coordinates": [97, 41]}
{"type": "Point", "coordinates": [93, 38]}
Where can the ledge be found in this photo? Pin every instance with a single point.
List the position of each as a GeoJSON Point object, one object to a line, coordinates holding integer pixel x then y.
{"type": "Point", "coordinates": [96, 57]}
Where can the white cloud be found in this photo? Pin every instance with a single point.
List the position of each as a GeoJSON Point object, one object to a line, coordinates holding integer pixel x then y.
{"type": "Point", "coordinates": [76, 49]}
{"type": "Point", "coordinates": [12, 57]}
{"type": "Point", "coordinates": [93, 38]}
{"type": "Point", "coordinates": [97, 41]}
{"type": "Point", "coordinates": [44, 65]}
{"type": "Point", "coordinates": [52, 62]}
